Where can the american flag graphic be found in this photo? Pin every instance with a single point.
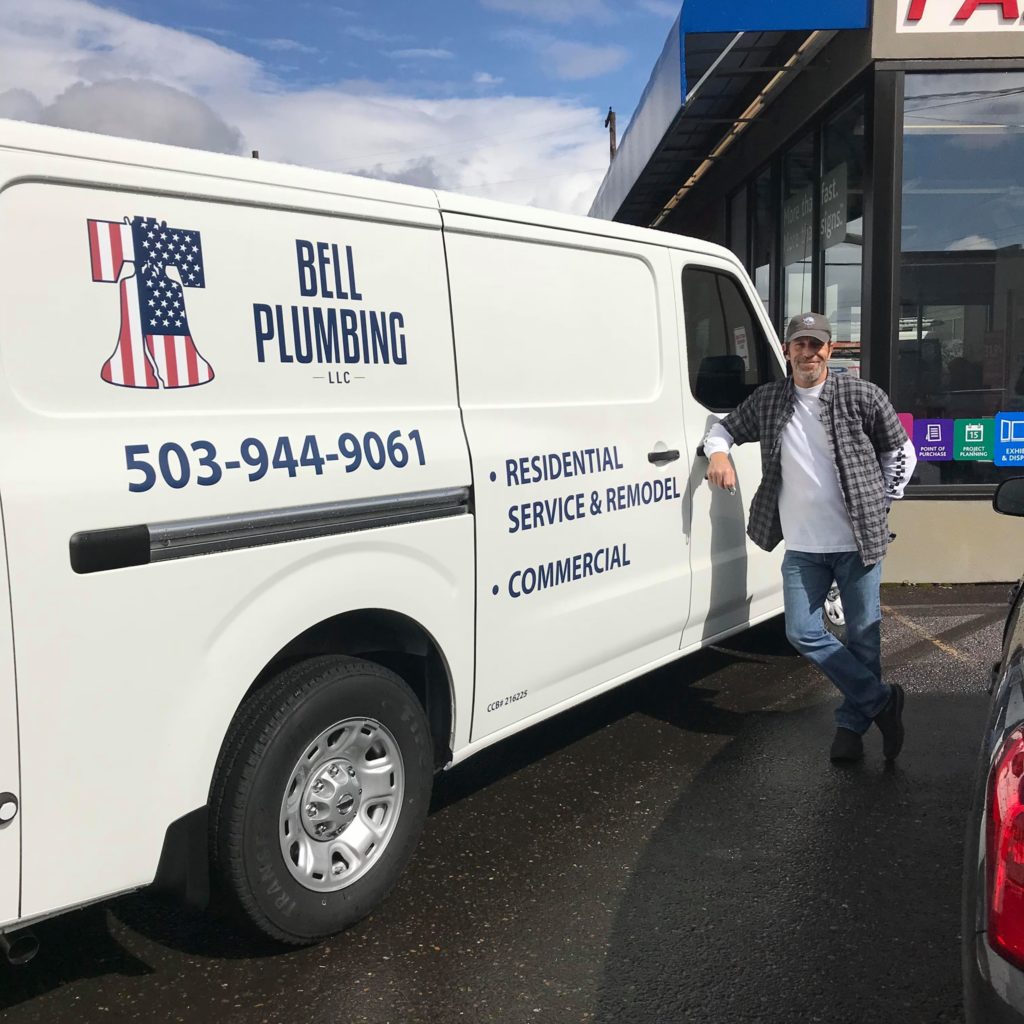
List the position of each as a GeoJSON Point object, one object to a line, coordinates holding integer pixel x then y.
{"type": "Point", "coordinates": [154, 346]}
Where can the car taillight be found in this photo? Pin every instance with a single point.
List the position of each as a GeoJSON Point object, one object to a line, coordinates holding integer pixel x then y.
{"type": "Point", "coordinates": [1005, 852]}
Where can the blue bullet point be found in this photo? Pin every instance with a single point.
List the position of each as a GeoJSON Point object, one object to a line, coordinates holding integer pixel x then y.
{"type": "Point", "coordinates": [494, 591]}
{"type": "Point", "coordinates": [494, 476]}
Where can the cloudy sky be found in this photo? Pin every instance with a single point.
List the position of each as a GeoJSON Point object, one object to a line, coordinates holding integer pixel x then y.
{"type": "Point", "coordinates": [497, 98]}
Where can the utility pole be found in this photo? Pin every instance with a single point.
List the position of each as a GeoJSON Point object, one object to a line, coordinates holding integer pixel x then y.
{"type": "Point", "coordinates": [609, 123]}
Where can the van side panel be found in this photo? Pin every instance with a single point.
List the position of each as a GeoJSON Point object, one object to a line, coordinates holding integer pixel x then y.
{"type": "Point", "coordinates": [10, 830]}
{"type": "Point", "coordinates": [569, 377]}
{"type": "Point", "coordinates": [177, 361]}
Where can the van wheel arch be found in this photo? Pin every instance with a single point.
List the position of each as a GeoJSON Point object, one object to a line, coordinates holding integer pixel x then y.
{"type": "Point", "coordinates": [378, 635]}
{"type": "Point", "coordinates": [387, 638]}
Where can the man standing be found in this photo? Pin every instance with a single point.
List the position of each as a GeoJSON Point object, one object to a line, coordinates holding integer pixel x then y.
{"type": "Point", "coordinates": [834, 456]}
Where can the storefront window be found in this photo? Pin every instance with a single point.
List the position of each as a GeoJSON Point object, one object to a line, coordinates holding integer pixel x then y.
{"type": "Point", "coordinates": [959, 358]}
{"type": "Point", "coordinates": [841, 233]}
{"type": "Point", "coordinates": [798, 183]}
{"type": "Point", "coordinates": [738, 225]}
{"type": "Point", "coordinates": [764, 236]}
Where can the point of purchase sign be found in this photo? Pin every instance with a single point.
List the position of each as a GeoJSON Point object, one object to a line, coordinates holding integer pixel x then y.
{"type": "Point", "coordinates": [958, 15]}
{"type": "Point", "coordinates": [933, 440]}
{"type": "Point", "coordinates": [965, 440]}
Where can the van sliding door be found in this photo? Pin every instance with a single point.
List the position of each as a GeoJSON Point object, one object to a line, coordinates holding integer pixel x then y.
{"type": "Point", "coordinates": [569, 384]}
{"type": "Point", "coordinates": [10, 784]}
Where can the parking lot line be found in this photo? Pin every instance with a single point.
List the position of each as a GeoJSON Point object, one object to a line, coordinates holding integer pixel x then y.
{"type": "Point", "coordinates": [924, 634]}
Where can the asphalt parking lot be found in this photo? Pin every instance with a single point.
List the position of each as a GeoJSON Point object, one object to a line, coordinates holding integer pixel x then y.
{"type": "Point", "coordinates": [678, 850]}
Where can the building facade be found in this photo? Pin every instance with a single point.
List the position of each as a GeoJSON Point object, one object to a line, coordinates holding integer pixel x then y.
{"type": "Point", "coordinates": [862, 160]}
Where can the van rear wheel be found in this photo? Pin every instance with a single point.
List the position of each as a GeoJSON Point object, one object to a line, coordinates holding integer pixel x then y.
{"type": "Point", "coordinates": [320, 797]}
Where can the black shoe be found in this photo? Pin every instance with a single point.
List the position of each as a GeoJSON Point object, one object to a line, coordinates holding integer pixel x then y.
{"type": "Point", "coordinates": [847, 746]}
{"type": "Point", "coordinates": [890, 722]}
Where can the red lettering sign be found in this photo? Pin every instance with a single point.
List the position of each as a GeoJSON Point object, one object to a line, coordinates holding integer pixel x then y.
{"type": "Point", "coordinates": [1010, 9]}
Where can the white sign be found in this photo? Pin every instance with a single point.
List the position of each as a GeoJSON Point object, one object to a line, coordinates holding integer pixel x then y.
{"type": "Point", "coordinates": [959, 15]}
{"type": "Point", "coordinates": [739, 337]}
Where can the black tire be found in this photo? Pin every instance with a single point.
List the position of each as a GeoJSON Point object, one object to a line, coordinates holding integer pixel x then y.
{"type": "Point", "coordinates": [269, 736]}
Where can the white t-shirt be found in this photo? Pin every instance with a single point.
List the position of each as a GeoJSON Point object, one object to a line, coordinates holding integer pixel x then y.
{"type": "Point", "coordinates": [811, 506]}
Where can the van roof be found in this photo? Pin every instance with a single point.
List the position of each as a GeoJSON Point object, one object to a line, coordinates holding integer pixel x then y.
{"type": "Point", "coordinates": [22, 135]}
{"type": "Point", "coordinates": [475, 207]}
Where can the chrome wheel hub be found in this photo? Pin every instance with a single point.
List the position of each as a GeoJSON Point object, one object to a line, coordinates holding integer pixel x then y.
{"type": "Point", "coordinates": [331, 799]}
{"type": "Point", "coordinates": [341, 804]}
{"type": "Point", "coordinates": [834, 607]}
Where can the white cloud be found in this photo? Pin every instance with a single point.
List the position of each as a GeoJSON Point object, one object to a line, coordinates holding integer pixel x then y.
{"type": "Point", "coordinates": [74, 63]}
{"type": "Point", "coordinates": [287, 45]}
{"type": "Point", "coordinates": [486, 78]}
{"type": "Point", "coordinates": [52, 44]}
{"type": "Point", "coordinates": [421, 54]}
{"type": "Point", "coordinates": [21, 105]}
{"type": "Point", "coordinates": [546, 153]}
{"type": "Point", "coordinates": [970, 243]}
{"type": "Point", "coordinates": [660, 8]}
{"type": "Point", "coordinates": [134, 109]}
{"type": "Point", "coordinates": [559, 11]}
{"type": "Point", "coordinates": [372, 35]}
{"type": "Point", "coordinates": [569, 60]}
{"type": "Point", "coordinates": [575, 61]}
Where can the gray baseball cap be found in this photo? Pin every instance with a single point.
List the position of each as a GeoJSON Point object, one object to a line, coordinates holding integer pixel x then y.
{"type": "Point", "coordinates": [809, 325]}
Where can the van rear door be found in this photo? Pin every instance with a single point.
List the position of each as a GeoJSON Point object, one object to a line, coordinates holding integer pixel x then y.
{"type": "Point", "coordinates": [10, 782]}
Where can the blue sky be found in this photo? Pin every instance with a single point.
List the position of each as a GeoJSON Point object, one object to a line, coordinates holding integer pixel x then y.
{"type": "Point", "coordinates": [500, 98]}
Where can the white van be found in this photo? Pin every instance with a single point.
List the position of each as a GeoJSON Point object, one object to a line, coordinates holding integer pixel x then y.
{"type": "Point", "coordinates": [313, 486]}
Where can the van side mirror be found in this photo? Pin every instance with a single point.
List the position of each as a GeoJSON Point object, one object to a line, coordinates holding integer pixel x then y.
{"type": "Point", "coordinates": [1009, 497]}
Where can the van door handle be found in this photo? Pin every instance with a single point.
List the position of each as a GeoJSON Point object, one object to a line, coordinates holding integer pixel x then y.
{"type": "Point", "coordinates": [659, 458]}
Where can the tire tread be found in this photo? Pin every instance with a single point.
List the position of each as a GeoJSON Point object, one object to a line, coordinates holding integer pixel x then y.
{"type": "Point", "coordinates": [256, 724]}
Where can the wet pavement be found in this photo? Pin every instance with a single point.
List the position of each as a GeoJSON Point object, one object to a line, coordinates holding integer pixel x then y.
{"type": "Point", "coordinates": [677, 850]}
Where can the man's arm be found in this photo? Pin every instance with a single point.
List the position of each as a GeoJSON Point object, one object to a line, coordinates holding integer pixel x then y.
{"type": "Point", "coordinates": [741, 425]}
{"type": "Point", "coordinates": [897, 469]}
{"type": "Point", "coordinates": [716, 448]}
{"type": "Point", "coordinates": [896, 455]}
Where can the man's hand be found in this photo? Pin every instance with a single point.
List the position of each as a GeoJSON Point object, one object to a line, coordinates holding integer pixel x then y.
{"type": "Point", "coordinates": [720, 472]}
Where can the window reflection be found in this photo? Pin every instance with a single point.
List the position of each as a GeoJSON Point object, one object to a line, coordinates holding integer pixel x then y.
{"type": "Point", "coordinates": [842, 232]}
{"type": "Point", "coordinates": [960, 346]}
{"type": "Point", "coordinates": [798, 205]}
{"type": "Point", "coordinates": [738, 225]}
{"type": "Point", "coordinates": [764, 237]}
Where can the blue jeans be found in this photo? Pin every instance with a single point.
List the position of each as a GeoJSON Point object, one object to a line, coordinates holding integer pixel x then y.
{"type": "Point", "coordinates": [856, 666]}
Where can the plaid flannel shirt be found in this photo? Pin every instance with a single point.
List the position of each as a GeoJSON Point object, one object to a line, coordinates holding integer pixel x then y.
{"type": "Point", "coordinates": [860, 424]}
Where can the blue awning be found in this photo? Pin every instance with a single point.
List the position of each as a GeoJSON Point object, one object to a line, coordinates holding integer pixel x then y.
{"type": "Point", "coordinates": [781, 16]}
{"type": "Point", "coordinates": [703, 45]}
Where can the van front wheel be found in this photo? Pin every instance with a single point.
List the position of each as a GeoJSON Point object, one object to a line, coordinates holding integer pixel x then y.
{"type": "Point", "coordinates": [832, 614]}
{"type": "Point", "coordinates": [320, 797]}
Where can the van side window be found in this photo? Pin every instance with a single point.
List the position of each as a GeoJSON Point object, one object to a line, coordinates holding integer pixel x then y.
{"type": "Point", "coordinates": [727, 351]}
